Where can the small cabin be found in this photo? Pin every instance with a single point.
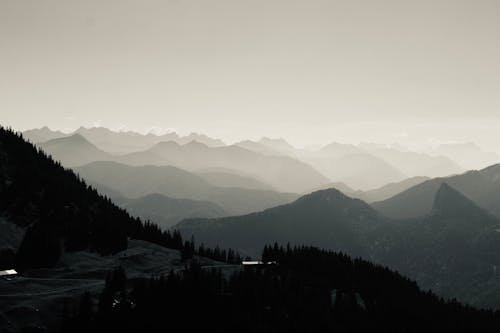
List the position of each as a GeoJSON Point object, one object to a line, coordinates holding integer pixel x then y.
{"type": "Point", "coordinates": [8, 274]}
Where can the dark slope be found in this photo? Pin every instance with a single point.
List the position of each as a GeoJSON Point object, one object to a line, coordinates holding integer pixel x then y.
{"type": "Point", "coordinates": [310, 290]}
{"type": "Point", "coordinates": [453, 250]}
{"type": "Point", "coordinates": [60, 212]}
{"type": "Point", "coordinates": [56, 206]}
{"type": "Point", "coordinates": [450, 203]}
{"type": "Point", "coordinates": [74, 150]}
{"type": "Point", "coordinates": [482, 187]}
{"type": "Point", "coordinates": [324, 218]}
{"type": "Point", "coordinates": [166, 211]}
{"type": "Point", "coordinates": [134, 182]}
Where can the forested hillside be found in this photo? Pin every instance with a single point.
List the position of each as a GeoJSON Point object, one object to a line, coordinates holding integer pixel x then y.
{"type": "Point", "coordinates": [307, 290]}
{"type": "Point", "coordinates": [59, 211]}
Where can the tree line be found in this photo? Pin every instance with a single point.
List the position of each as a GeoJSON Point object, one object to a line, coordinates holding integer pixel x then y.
{"type": "Point", "coordinates": [309, 290]}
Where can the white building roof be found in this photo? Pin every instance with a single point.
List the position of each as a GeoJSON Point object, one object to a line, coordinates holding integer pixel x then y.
{"type": "Point", "coordinates": [252, 263]}
{"type": "Point", "coordinates": [8, 272]}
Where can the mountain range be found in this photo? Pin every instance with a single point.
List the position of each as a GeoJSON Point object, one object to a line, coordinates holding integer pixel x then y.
{"type": "Point", "coordinates": [283, 173]}
{"type": "Point", "coordinates": [119, 141]}
{"type": "Point", "coordinates": [364, 166]}
{"type": "Point", "coordinates": [139, 181]}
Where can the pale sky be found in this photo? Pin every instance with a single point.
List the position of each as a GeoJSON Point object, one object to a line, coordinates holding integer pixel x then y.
{"type": "Point", "coordinates": [309, 71]}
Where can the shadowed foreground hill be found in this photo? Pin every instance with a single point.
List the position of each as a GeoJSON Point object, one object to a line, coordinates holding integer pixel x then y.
{"type": "Point", "coordinates": [324, 218]}
{"type": "Point", "coordinates": [310, 290]}
{"type": "Point", "coordinates": [57, 211]}
{"type": "Point", "coordinates": [482, 187]}
{"type": "Point", "coordinates": [454, 250]}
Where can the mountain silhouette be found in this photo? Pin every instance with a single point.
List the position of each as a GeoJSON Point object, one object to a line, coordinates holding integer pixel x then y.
{"type": "Point", "coordinates": [324, 218]}
{"type": "Point", "coordinates": [482, 187]}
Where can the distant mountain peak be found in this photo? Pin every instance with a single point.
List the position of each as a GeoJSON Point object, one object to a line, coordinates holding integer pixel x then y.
{"type": "Point", "coordinates": [73, 139]}
{"type": "Point", "coordinates": [195, 144]}
{"type": "Point", "coordinates": [275, 142]}
{"type": "Point", "coordinates": [328, 194]}
{"type": "Point", "coordinates": [335, 199]}
{"type": "Point", "coordinates": [447, 198]}
{"type": "Point", "coordinates": [166, 144]}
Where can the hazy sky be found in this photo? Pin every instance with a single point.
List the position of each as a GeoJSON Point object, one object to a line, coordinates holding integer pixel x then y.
{"type": "Point", "coordinates": [309, 71]}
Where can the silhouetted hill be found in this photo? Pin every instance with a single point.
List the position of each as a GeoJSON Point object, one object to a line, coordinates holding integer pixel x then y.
{"type": "Point", "coordinates": [450, 203]}
{"type": "Point", "coordinates": [453, 250]}
{"type": "Point", "coordinates": [482, 187]}
{"type": "Point", "coordinates": [324, 218]}
{"type": "Point", "coordinates": [338, 186]}
{"type": "Point", "coordinates": [134, 182]}
{"type": "Point", "coordinates": [74, 150]}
